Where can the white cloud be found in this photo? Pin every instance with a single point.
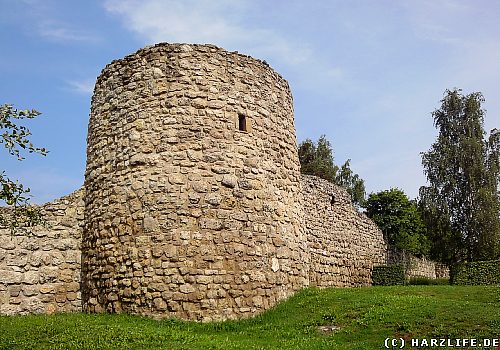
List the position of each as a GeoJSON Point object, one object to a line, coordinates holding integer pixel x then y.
{"type": "Point", "coordinates": [467, 34]}
{"type": "Point", "coordinates": [216, 22]}
{"type": "Point", "coordinates": [51, 22]}
{"type": "Point", "coordinates": [82, 87]}
{"type": "Point", "coordinates": [449, 22]}
{"type": "Point", "coordinates": [63, 33]}
{"type": "Point", "coordinates": [335, 73]}
{"type": "Point", "coordinates": [187, 21]}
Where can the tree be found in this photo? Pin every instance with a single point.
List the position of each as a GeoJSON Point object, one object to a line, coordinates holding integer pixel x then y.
{"type": "Point", "coordinates": [15, 138]}
{"type": "Point", "coordinates": [317, 159]}
{"type": "Point", "coordinates": [354, 185]}
{"type": "Point", "coordinates": [461, 203]}
{"type": "Point", "coordinates": [399, 220]}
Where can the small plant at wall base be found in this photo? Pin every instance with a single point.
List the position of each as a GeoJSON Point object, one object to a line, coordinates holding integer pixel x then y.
{"type": "Point", "coordinates": [15, 139]}
{"type": "Point", "coordinates": [316, 158]}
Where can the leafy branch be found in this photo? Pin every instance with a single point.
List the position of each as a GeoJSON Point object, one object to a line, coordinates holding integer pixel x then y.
{"type": "Point", "coordinates": [15, 139]}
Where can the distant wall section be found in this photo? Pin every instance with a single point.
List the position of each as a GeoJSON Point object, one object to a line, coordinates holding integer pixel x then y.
{"type": "Point", "coordinates": [417, 267]}
{"type": "Point", "coordinates": [40, 269]}
{"type": "Point", "coordinates": [344, 244]}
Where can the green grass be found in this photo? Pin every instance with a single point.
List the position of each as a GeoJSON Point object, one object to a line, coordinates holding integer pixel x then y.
{"type": "Point", "coordinates": [366, 316]}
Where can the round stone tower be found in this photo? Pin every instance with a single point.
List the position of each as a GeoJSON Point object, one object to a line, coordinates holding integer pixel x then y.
{"type": "Point", "coordinates": [192, 187]}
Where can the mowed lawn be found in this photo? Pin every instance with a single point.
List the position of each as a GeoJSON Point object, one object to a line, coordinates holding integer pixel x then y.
{"type": "Point", "coordinates": [365, 317]}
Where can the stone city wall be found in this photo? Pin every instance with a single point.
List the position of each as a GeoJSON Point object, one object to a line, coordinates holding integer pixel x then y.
{"type": "Point", "coordinates": [40, 272]}
{"type": "Point", "coordinates": [40, 269]}
{"type": "Point", "coordinates": [192, 184]}
{"type": "Point", "coordinates": [417, 267]}
{"type": "Point", "coordinates": [442, 271]}
{"type": "Point", "coordinates": [344, 244]}
{"type": "Point", "coordinates": [194, 205]}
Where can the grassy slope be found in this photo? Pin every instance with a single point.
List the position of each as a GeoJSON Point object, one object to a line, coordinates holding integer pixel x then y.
{"type": "Point", "coordinates": [366, 316]}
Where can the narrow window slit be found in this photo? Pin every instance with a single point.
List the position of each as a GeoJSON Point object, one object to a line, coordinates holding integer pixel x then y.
{"type": "Point", "coordinates": [242, 122]}
{"type": "Point", "coordinates": [332, 200]}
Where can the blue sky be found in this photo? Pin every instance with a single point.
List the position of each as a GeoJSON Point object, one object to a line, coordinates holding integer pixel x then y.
{"type": "Point", "coordinates": [366, 73]}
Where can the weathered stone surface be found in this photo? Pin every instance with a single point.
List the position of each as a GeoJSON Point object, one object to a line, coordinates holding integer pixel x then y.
{"type": "Point", "coordinates": [186, 214]}
{"type": "Point", "coordinates": [42, 263]}
{"type": "Point", "coordinates": [179, 165]}
{"type": "Point", "coordinates": [417, 267]}
{"type": "Point", "coordinates": [344, 244]}
{"type": "Point", "coordinates": [10, 277]}
{"type": "Point", "coordinates": [31, 277]}
{"type": "Point", "coordinates": [230, 181]}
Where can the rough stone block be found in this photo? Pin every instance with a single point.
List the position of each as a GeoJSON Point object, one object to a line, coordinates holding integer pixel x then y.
{"type": "Point", "coordinates": [30, 290]}
{"type": "Point", "coordinates": [229, 181]}
{"type": "Point", "coordinates": [10, 277]}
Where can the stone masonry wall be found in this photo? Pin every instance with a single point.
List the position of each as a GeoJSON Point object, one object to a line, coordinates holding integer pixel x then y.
{"type": "Point", "coordinates": [194, 206]}
{"type": "Point", "coordinates": [40, 270]}
{"type": "Point", "coordinates": [417, 267]}
{"type": "Point", "coordinates": [186, 215]}
{"type": "Point", "coordinates": [344, 244]}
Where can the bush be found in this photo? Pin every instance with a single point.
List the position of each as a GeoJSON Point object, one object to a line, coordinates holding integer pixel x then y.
{"type": "Point", "coordinates": [420, 281]}
{"type": "Point", "coordinates": [478, 273]}
{"type": "Point", "coordinates": [388, 275]}
{"type": "Point", "coordinates": [441, 281]}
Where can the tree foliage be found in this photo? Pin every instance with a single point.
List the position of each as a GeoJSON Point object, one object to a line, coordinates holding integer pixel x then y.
{"type": "Point", "coordinates": [317, 159]}
{"type": "Point", "coordinates": [399, 220]}
{"type": "Point", "coordinates": [15, 138]}
{"type": "Point", "coordinates": [461, 203]}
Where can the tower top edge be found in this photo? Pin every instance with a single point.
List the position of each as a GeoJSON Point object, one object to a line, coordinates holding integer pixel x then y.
{"type": "Point", "coordinates": [186, 48]}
